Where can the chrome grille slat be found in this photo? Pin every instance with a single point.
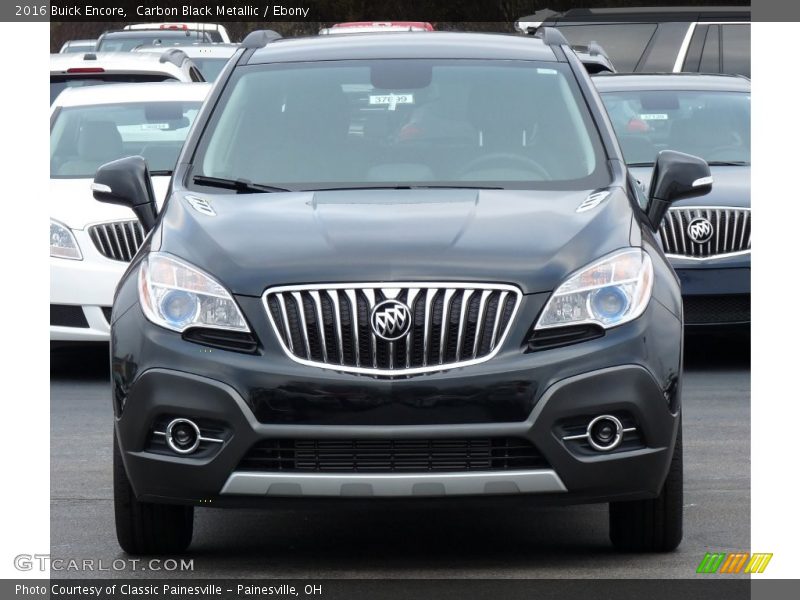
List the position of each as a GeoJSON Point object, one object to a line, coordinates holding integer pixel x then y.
{"type": "Point", "coordinates": [479, 325]}
{"type": "Point", "coordinates": [451, 324]}
{"type": "Point", "coordinates": [411, 301]}
{"type": "Point", "coordinates": [727, 223]}
{"type": "Point", "coordinates": [431, 294]}
{"type": "Point", "coordinates": [117, 240]}
{"type": "Point", "coordinates": [285, 317]}
{"type": "Point", "coordinates": [320, 323]}
{"type": "Point", "coordinates": [745, 221]}
{"type": "Point", "coordinates": [731, 231]}
{"type": "Point", "coordinates": [462, 322]}
{"type": "Point", "coordinates": [337, 319]}
{"type": "Point", "coordinates": [301, 314]}
{"type": "Point", "coordinates": [448, 300]}
{"type": "Point", "coordinates": [369, 294]}
{"type": "Point", "coordinates": [351, 297]}
{"type": "Point", "coordinates": [501, 307]}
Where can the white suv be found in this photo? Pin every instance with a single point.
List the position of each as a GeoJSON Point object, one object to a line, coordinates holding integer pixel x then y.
{"type": "Point", "coordinates": [91, 243]}
{"type": "Point", "coordinates": [94, 68]}
{"type": "Point", "coordinates": [209, 58]}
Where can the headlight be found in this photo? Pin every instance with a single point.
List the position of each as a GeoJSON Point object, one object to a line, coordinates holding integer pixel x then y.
{"type": "Point", "coordinates": [609, 292]}
{"type": "Point", "coordinates": [62, 243]}
{"type": "Point", "coordinates": [178, 296]}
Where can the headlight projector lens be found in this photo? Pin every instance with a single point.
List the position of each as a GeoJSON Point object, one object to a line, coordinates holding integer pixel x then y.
{"type": "Point", "coordinates": [609, 303]}
{"type": "Point", "coordinates": [179, 307]}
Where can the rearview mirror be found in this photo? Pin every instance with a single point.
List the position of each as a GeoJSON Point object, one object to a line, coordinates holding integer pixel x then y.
{"type": "Point", "coordinates": [127, 182]}
{"type": "Point", "coordinates": [676, 176]}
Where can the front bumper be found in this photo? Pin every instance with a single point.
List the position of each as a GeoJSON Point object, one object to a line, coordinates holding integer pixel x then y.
{"type": "Point", "coordinates": [87, 283]}
{"type": "Point", "coordinates": [632, 370]}
{"type": "Point", "coordinates": [716, 291]}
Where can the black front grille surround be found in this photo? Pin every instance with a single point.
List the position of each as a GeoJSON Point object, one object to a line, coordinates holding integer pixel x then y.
{"type": "Point", "coordinates": [452, 324]}
{"type": "Point", "coordinates": [392, 456]}
{"type": "Point", "coordinates": [556, 337]}
{"type": "Point", "coordinates": [117, 240]}
{"type": "Point", "coordinates": [716, 310]}
{"type": "Point", "coordinates": [730, 231]}
{"type": "Point", "coordinates": [224, 339]}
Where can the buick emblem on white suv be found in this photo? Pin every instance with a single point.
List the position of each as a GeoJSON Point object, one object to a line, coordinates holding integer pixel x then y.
{"type": "Point", "coordinates": [700, 230]}
{"type": "Point", "coordinates": [391, 320]}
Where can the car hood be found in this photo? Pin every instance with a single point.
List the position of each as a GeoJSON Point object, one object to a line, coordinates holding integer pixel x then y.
{"type": "Point", "coordinates": [531, 239]}
{"type": "Point", "coordinates": [731, 186]}
{"type": "Point", "coordinates": [72, 203]}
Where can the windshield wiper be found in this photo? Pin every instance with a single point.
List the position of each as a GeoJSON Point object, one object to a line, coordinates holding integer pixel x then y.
{"type": "Point", "coordinates": [641, 164]}
{"type": "Point", "coordinates": [240, 186]}
{"type": "Point", "coordinates": [406, 187]}
{"type": "Point", "coordinates": [158, 173]}
{"type": "Point", "coordinates": [728, 163]}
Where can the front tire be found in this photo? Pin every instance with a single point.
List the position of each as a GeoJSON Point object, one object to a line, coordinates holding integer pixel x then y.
{"type": "Point", "coordinates": [144, 527]}
{"type": "Point", "coordinates": [652, 525]}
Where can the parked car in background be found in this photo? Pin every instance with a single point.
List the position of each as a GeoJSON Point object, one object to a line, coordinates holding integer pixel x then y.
{"type": "Point", "coordinates": [376, 27]}
{"type": "Point", "coordinates": [91, 244]}
{"type": "Point", "coordinates": [216, 33]}
{"type": "Point", "coordinates": [209, 58]}
{"type": "Point", "coordinates": [125, 41]}
{"type": "Point", "coordinates": [708, 39]}
{"type": "Point", "coordinates": [73, 70]}
{"type": "Point", "coordinates": [383, 271]}
{"type": "Point", "coordinates": [708, 242]}
{"type": "Point", "coordinates": [73, 46]}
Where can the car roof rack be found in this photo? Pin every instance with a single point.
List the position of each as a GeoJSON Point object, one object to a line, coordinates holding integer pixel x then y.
{"type": "Point", "coordinates": [260, 38]}
{"type": "Point", "coordinates": [551, 36]}
{"type": "Point", "coordinates": [174, 56]}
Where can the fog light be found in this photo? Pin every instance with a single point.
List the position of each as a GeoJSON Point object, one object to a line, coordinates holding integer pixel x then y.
{"type": "Point", "coordinates": [183, 436]}
{"type": "Point", "coordinates": [604, 433]}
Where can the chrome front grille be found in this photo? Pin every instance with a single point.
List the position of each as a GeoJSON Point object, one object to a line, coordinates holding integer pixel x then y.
{"type": "Point", "coordinates": [118, 240]}
{"type": "Point", "coordinates": [731, 231]}
{"type": "Point", "coordinates": [451, 325]}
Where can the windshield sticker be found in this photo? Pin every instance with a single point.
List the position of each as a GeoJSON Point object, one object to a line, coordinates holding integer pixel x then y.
{"type": "Point", "coordinates": [654, 117]}
{"type": "Point", "coordinates": [391, 100]}
{"type": "Point", "coordinates": [148, 126]}
{"type": "Point", "coordinates": [547, 71]}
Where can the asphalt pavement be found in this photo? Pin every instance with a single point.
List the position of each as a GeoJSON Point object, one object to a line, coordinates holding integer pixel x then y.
{"type": "Point", "coordinates": [413, 541]}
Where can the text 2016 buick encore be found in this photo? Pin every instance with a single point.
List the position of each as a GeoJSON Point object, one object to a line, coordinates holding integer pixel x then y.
{"type": "Point", "coordinates": [399, 266]}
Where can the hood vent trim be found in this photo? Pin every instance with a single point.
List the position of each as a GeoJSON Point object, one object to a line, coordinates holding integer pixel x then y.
{"type": "Point", "coordinates": [201, 205]}
{"type": "Point", "coordinates": [592, 201]}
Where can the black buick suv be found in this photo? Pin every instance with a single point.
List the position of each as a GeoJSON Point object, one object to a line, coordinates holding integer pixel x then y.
{"type": "Point", "coordinates": [408, 266]}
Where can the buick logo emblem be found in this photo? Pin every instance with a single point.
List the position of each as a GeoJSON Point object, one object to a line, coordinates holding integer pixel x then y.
{"type": "Point", "coordinates": [700, 230]}
{"type": "Point", "coordinates": [391, 320]}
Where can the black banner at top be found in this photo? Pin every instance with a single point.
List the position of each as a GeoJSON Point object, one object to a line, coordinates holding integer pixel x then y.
{"type": "Point", "coordinates": [330, 11]}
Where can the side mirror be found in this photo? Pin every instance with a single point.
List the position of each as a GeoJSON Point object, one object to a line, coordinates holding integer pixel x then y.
{"type": "Point", "coordinates": [676, 176]}
{"type": "Point", "coordinates": [127, 182]}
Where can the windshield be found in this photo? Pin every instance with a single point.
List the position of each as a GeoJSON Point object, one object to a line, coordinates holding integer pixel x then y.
{"type": "Point", "coordinates": [712, 125]}
{"type": "Point", "coordinates": [75, 48]}
{"type": "Point", "coordinates": [84, 137]}
{"type": "Point", "coordinates": [127, 42]}
{"type": "Point", "coordinates": [58, 83]}
{"type": "Point", "coordinates": [403, 123]}
{"type": "Point", "coordinates": [210, 68]}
